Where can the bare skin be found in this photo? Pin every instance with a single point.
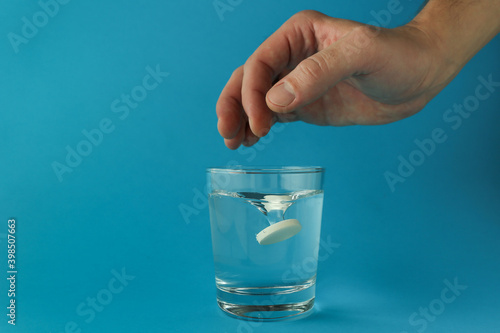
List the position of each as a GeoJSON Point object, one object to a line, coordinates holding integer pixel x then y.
{"type": "Point", "coordinates": [329, 71]}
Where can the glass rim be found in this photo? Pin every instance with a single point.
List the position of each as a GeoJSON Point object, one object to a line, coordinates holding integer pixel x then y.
{"type": "Point", "coordinates": [242, 169]}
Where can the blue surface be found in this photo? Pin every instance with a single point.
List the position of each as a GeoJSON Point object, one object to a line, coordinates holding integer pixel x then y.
{"type": "Point", "coordinates": [118, 212]}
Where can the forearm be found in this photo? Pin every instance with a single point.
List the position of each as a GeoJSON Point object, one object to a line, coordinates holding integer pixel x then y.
{"type": "Point", "coordinates": [459, 28]}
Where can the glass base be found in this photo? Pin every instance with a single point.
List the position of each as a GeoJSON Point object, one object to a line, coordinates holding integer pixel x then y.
{"type": "Point", "coordinates": [268, 303]}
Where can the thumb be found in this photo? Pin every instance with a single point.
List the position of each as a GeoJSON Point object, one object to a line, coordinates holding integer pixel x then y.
{"type": "Point", "coordinates": [315, 75]}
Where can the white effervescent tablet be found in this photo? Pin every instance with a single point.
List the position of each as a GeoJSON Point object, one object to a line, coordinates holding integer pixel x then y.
{"type": "Point", "coordinates": [279, 232]}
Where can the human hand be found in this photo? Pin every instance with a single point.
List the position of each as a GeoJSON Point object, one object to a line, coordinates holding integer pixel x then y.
{"type": "Point", "coordinates": [329, 71]}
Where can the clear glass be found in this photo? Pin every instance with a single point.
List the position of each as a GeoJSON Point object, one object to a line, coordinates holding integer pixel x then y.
{"type": "Point", "coordinates": [265, 282]}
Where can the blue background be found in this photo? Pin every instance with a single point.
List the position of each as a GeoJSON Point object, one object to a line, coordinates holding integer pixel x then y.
{"type": "Point", "coordinates": [120, 209]}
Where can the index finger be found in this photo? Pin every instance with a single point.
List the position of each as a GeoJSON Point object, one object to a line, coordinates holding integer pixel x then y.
{"type": "Point", "coordinates": [293, 41]}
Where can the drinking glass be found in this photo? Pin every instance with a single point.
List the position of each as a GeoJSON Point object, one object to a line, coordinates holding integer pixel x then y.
{"type": "Point", "coordinates": [265, 224]}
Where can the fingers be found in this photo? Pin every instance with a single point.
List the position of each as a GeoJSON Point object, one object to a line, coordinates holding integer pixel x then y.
{"type": "Point", "coordinates": [230, 114]}
{"type": "Point", "coordinates": [235, 141]}
{"type": "Point", "coordinates": [256, 83]}
{"type": "Point", "coordinates": [294, 40]}
{"type": "Point", "coordinates": [250, 138]}
{"type": "Point", "coordinates": [244, 136]}
{"type": "Point", "coordinates": [317, 74]}
{"type": "Point", "coordinates": [233, 124]}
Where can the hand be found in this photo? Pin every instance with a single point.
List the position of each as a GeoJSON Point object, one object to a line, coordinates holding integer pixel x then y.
{"type": "Point", "coordinates": [330, 72]}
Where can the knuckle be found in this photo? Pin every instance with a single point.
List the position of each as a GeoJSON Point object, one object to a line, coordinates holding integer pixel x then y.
{"type": "Point", "coordinates": [237, 71]}
{"type": "Point", "coordinates": [307, 14]}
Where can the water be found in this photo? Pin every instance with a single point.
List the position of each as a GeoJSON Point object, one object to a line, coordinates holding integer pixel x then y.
{"type": "Point", "coordinates": [265, 281]}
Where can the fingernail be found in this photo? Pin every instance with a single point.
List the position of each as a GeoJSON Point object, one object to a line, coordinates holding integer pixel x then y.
{"type": "Point", "coordinates": [281, 95]}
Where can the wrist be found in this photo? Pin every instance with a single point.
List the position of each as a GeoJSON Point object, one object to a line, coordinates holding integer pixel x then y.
{"type": "Point", "coordinates": [457, 30]}
{"type": "Point", "coordinates": [445, 58]}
